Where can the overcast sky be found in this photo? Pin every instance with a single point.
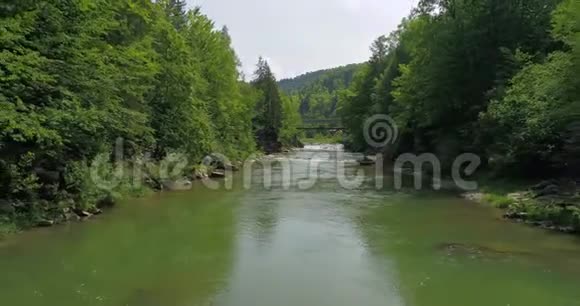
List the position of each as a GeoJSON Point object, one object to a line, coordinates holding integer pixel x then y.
{"type": "Point", "coordinates": [298, 36]}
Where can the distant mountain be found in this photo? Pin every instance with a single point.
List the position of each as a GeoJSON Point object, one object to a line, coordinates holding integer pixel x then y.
{"type": "Point", "coordinates": [331, 78]}
{"type": "Point", "coordinates": [318, 92]}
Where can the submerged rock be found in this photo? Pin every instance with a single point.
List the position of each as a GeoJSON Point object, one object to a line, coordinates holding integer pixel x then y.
{"type": "Point", "coordinates": [472, 250]}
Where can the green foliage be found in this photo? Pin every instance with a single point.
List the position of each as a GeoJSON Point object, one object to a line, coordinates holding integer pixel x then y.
{"type": "Point", "coordinates": [527, 121]}
{"type": "Point", "coordinates": [7, 228]}
{"type": "Point", "coordinates": [289, 132]}
{"type": "Point", "coordinates": [499, 201]}
{"type": "Point", "coordinates": [496, 78]}
{"type": "Point", "coordinates": [77, 75]}
{"type": "Point", "coordinates": [531, 121]}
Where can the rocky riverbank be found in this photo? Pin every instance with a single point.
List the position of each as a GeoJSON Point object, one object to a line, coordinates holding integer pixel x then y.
{"type": "Point", "coordinates": [552, 204]}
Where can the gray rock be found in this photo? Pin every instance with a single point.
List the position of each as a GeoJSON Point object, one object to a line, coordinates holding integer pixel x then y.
{"type": "Point", "coordinates": [218, 174]}
{"type": "Point", "coordinates": [473, 196]}
{"type": "Point", "coordinates": [542, 185]}
{"type": "Point", "coordinates": [83, 214]}
{"type": "Point", "coordinates": [515, 215]}
{"type": "Point", "coordinates": [548, 190]}
{"type": "Point", "coordinates": [46, 223]}
{"type": "Point", "coordinates": [96, 211]}
{"type": "Point", "coordinates": [71, 217]}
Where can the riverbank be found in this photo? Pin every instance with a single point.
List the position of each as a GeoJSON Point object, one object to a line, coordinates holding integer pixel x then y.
{"type": "Point", "coordinates": [17, 216]}
{"type": "Point", "coordinates": [551, 204]}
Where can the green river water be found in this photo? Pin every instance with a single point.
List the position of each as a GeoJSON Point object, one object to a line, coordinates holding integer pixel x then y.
{"type": "Point", "coordinates": [324, 246]}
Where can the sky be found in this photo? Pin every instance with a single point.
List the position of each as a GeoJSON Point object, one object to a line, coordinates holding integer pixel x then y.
{"type": "Point", "coordinates": [299, 36]}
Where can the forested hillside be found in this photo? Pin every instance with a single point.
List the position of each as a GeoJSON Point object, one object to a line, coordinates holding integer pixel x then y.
{"type": "Point", "coordinates": [495, 78]}
{"type": "Point", "coordinates": [318, 92]}
{"type": "Point", "coordinates": [77, 76]}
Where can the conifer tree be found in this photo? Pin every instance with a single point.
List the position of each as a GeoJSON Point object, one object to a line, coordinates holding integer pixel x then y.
{"type": "Point", "coordinates": [176, 11]}
{"type": "Point", "coordinates": [268, 120]}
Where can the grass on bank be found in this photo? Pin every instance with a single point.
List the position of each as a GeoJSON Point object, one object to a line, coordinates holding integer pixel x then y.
{"type": "Point", "coordinates": [498, 200]}
{"type": "Point", "coordinates": [496, 190]}
{"type": "Point", "coordinates": [7, 228]}
{"type": "Point", "coordinates": [563, 215]}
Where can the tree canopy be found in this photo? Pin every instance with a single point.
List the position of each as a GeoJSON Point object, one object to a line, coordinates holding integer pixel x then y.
{"type": "Point", "coordinates": [490, 77]}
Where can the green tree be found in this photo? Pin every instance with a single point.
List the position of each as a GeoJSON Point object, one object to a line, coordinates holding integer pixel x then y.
{"type": "Point", "coordinates": [358, 105]}
{"type": "Point", "coordinates": [175, 11]}
{"type": "Point", "coordinates": [268, 120]}
{"type": "Point", "coordinates": [76, 75]}
{"type": "Point", "coordinates": [534, 124]}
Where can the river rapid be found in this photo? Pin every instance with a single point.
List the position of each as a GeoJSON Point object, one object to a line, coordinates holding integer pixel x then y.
{"type": "Point", "coordinates": [293, 245]}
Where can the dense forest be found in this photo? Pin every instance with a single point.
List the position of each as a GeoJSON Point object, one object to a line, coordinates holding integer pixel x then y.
{"type": "Point", "coordinates": [495, 78]}
{"type": "Point", "coordinates": [77, 76]}
{"type": "Point", "coordinates": [318, 92]}
{"type": "Point", "coordinates": [498, 78]}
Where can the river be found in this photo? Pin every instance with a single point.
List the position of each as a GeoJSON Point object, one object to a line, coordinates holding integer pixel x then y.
{"type": "Point", "coordinates": [318, 246]}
